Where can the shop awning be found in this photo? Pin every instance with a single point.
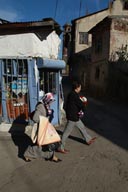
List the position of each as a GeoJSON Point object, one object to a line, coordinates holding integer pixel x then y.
{"type": "Point", "coordinates": [50, 63]}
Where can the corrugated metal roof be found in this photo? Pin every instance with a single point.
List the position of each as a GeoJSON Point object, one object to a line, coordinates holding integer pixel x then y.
{"type": "Point", "coordinates": [46, 24]}
{"type": "Point", "coordinates": [2, 21]}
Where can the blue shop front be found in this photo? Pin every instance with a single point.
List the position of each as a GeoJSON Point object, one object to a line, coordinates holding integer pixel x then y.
{"type": "Point", "coordinates": [23, 81]}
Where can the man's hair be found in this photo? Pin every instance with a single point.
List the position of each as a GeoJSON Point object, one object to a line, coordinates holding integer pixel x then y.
{"type": "Point", "coordinates": [75, 84]}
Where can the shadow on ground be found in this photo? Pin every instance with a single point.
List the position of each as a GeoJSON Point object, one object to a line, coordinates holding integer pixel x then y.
{"type": "Point", "coordinates": [107, 119]}
{"type": "Point", "coordinates": [78, 139]}
{"type": "Point", "coordinates": [19, 137]}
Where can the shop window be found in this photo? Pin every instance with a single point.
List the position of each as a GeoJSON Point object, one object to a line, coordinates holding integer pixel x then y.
{"type": "Point", "coordinates": [15, 88]}
{"type": "Point", "coordinates": [8, 66]}
{"type": "Point", "coordinates": [83, 38]}
{"type": "Point", "coordinates": [0, 100]}
{"type": "Point", "coordinates": [0, 92]}
{"type": "Point", "coordinates": [14, 67]}
{"type": "Point", "coordinates": [98, 45]}
{"type": "Point", "coordinates": [22, 67]}
{"type": "Point", "coordinates": [15, 80]}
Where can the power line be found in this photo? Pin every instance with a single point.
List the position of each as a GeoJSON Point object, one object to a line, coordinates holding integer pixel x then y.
{"type": "Point", "coordinates": [56, 9]}
{"type": "Point", "coordinates": [80, 7]}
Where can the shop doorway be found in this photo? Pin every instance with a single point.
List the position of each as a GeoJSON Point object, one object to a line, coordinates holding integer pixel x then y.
{"type": "Point", "coordinates": [49, 82]}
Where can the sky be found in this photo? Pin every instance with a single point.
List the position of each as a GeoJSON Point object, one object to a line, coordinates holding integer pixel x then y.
{"type": "Point", "coordinates": [63, 11]}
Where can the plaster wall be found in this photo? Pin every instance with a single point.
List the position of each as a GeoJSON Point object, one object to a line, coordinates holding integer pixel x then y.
{"type": "Point", "coordinates": [84, 25]}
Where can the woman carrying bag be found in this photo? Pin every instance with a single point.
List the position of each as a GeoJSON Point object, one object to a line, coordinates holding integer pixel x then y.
{"type": "Point", "coordinates": [40, 148]}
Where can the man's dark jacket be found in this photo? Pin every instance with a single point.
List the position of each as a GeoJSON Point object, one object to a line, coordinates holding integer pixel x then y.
{"type": "Point", "coordinates": [73, 106]}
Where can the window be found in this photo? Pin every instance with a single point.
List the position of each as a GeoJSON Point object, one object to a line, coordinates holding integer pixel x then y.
{"type": "Point", "coordinates": [83, 38]}
{"type": "Point", "coordinates": [15, 67]}
{"type": "Point", "coordinates": [22, 67]}
{"type": "Point", "coordinates": [15, 79]}
{"type": "Point", "coordinates": [8, 66]}
{"type": "Point", "coordinates": [15, 89]}
{"type": "Point", "coordinates": [98, 45]}
{"type": "Point", "coordinates": [126, 5]}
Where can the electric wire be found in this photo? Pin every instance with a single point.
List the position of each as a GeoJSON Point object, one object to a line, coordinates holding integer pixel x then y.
{"type": "Point", "coordinates": [56, 9]}
{"type": "Point", "coordinates": [80, 7]}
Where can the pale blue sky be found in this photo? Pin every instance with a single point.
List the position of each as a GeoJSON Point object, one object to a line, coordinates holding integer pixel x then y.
{"type": "Point", "coordinates": [34, 10]}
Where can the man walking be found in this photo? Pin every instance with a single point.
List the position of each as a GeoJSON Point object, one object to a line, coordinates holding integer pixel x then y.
{"type": "Point", "coordinates": [74, 106]}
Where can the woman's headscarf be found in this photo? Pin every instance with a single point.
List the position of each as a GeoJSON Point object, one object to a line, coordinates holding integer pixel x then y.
{"type": "Point", "coordinates": [48, 98]}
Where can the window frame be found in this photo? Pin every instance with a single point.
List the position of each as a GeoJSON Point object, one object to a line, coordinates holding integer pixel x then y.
{"type": "Point", "coordinates": [83, 38]}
